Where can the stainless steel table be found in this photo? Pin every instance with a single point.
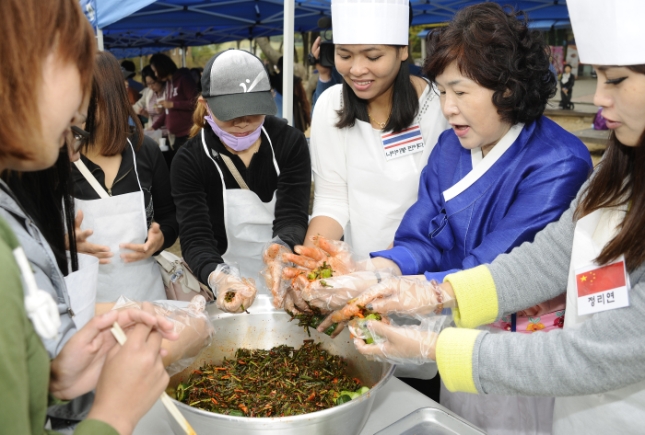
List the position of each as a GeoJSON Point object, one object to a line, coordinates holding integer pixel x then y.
{"type": "Point", "coordinates": [395, 401]}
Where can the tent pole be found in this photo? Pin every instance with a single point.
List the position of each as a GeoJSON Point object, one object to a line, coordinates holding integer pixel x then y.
{"type": "Point", "coordinates": [183, 56]}
{"type": "Point", "coordinates": [423, 50]}
{"type": "Point", "coordinates": [99, 39]}
{"type": "Point", "coordinates": [287, 61]}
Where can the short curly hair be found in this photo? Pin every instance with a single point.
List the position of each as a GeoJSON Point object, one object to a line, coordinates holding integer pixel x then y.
{"type": "Point", "coordinates": [496, 49]}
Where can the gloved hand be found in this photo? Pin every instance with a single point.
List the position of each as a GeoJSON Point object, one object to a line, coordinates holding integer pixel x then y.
{"type": "Point", "coordinates": [191, 324]}
{"type": "Point", "coordinates": [333, 293]}
{"type": "Point", "coordinates": [325, 253]}
{"type": "Point", "coordinates": [402, 295]}
{"type": "Point", "coordinates": [272, 273]}
{"type": "Point", "coordinates": [410, 344]}
{"type": "Point", "coordinates": [295, 279]}
{"type": "Point", "coordinates": [234, 293]}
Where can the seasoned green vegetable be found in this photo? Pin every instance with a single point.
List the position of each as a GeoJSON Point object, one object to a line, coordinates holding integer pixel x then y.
{"type": "Point", "coordinates": [322, 272]}
{"type": "Point", "coordinates": [346, 396]}
{"type": "Point", "coordinates": [368, 338]}
{"type": "Point", "coordinates": [313, 320]}
{"type": "Point", "coordinates": [277, 382]}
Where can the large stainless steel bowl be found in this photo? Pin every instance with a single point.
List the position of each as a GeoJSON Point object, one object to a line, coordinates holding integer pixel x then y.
{"type": "Point", "coordinates": [264, 328]}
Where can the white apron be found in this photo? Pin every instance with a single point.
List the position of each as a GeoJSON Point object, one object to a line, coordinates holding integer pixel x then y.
{"type": "Point", "coordinates": [497, 415]}
{"type": "Point", "coordinates": [620, 411]}
{"type": "Point", "coordinates": [248, 222]}
{"type": "Point", "coordinates": [379, 191]}
{"type": "Point", "coordinates": [81, 288]}
{"type": "Point", "coordinates": [115, 220]}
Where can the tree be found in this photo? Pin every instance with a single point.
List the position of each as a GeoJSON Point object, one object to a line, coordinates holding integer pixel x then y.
{"type": "Point", "coordinates": [269, 52]}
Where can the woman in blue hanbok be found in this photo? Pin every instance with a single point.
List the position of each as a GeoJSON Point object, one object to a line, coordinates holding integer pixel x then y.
{"type": "Point", "coordinates": [500, 175]}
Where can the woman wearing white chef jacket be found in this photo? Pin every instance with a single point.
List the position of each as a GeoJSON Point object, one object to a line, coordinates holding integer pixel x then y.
{"type": "Point", "coordinates": [121, 185]}
{"type": "Point", "coordinates": [241, 180]}
{"type": "Point", "coordinates": [371, 136]}
{"type": "Point", "coordinates": [596, 364]}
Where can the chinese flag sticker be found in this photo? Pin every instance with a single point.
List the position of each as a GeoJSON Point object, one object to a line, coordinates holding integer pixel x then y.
{"type": "Point", "coordinates": [602, 288]}
{"type": "Point", "coordinates": [601, 279]}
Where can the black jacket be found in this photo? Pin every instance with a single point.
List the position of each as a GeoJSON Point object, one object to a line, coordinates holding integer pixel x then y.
{"type": "Point", "coordinates": [154, 179]}
{"type": "Point", "coordinates": [197, 191]}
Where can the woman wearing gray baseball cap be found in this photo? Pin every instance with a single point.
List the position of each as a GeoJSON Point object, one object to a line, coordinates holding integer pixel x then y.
{"type": "Point", "coordinates": [242, 180]}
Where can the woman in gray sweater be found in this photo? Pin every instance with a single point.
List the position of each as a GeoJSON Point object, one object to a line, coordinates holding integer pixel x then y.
{"type": "Point", "coordinates": [595, 252]}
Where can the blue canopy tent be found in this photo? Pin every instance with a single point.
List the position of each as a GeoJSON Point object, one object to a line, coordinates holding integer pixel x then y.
{"type": "Point", "coordinates": [137, 27]}
{"type": "Point", "coordinates": [440, 11]}
{"type": "Point", "coordinates": [175, 23]}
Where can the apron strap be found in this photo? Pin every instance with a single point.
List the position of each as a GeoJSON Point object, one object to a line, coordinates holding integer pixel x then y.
{"type": "Point", "coordinates": [102, 193]}
{"type": "Point", "coordinates": [91, 179]}
{"type": "Point", "coordinates": [234, 172]}
{"type": "Point", "coordinates": [275, 163]}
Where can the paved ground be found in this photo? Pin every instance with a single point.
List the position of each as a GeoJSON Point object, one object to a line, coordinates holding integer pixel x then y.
{"type": "Point", "coordinates": [583, 91]}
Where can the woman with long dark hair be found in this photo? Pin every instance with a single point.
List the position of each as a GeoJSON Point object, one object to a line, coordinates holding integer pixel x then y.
{"type": "Point", "coordinates": [371, 135]}
{"type": "Point", "coordinates": [122, 186]}
{"type": "Point", "coordinates": [595, 365]}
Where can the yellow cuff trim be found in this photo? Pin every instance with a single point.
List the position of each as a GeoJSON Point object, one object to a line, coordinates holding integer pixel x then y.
{"type": "Point", "coordinates": [476, 297]}
{"type": "Point", "coordinates": [455, 358]}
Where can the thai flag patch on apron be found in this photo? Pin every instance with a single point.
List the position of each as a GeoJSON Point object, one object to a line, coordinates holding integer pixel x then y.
{"type": "Point", "coordinates": [403, 143]}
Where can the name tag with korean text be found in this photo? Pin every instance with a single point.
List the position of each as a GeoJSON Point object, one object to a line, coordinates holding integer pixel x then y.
{"type": "Point", "coordinates": [602, 288]}
{"type": "Point", "coordinates": [403, 143]}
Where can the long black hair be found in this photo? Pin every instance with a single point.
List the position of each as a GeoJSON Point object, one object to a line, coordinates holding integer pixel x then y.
{"type": "Point", "coordinates": [46, 199]}
{"type": "Point", "coordinates": [619, 180]}
{"type": "Point", "coordinates": [405, 103]}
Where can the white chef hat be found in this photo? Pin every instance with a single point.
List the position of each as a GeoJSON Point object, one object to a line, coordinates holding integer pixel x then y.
{"type": "Point", "coordinates": [609, 32]}
{"type": "Point", "coordinates": [370, 21]}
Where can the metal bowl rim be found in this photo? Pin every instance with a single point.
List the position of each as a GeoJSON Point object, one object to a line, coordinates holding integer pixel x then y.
{"type": "Point", "coordinates": [258, 309]}
{"type": "Point", "coordinates": [291, 418]}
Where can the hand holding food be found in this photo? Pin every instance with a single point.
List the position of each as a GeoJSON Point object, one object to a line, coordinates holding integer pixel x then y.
{"type": "Point", "coordinates": [325, 253]}
{"type": "Point", "coordinates": [402, 295]}
{"type": "Point", "coordinates": [234, 293]}
{"type": "Point", "coordinates": [397, 344]}
{"type": "Point", "coordinates": [333, 293]}
{"type": "Point", "coordinates": [272, 257]}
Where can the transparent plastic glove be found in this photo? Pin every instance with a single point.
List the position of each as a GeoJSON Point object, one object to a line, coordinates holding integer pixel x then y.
{"type": "Point", "coordinates": [333, 293]}
{"type": "Point", "coordinates": [234, 293]}
{"type": "Point", "coordinates": [272, 273]}
{"type": "Point", "coordinates": [410, 344]}
{"type": "Point", "coordinates": [401, 295]}
{"type": "Point", "coordinates": [295, 279]}
{"type": "Point", "coordinates": [333, 253]}
{"type": "Point", "coordinates": [195, 330]}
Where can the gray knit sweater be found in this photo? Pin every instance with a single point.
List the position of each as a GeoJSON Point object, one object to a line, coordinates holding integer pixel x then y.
{"type": "Point", "coordinates": [606, 353]}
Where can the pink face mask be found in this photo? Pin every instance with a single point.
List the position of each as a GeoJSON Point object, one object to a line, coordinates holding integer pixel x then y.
{"type": "Point", "coordinates": [234, 142]}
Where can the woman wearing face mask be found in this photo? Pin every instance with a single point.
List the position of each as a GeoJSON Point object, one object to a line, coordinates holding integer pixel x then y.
{"type": "Point", "coordinates": [121, 186]}
{"type": "Point", "coordinates": [243, 179]}
{"type": "Point", "coordinates": [372, 135]}
{"type": "Point", "coordinates": [595, 365]}
{"type": "Point", "coordinates": [127, 380]}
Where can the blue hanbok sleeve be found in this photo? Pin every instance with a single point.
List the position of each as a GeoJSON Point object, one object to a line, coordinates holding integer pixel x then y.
{"type": "Point", "coordinates": [413, 251]}
{"type": "Point", "coordinates": [541, 198]}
